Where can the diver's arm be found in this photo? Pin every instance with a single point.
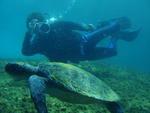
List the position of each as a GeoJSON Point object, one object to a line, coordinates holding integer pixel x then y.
{"type": "Point", "coordinates": [77, 26]}
{"type": "Point", "coordinates": [28, 48]}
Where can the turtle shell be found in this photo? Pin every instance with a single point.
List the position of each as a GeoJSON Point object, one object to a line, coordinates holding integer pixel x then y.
{"type": "Point", "coordinates": [80, 81]}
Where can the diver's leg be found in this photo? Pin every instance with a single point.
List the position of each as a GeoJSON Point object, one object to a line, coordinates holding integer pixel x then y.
{"type": "Point", "coordinates": [94, 37]}
{"type": "Point", "coordinates": [100, 53]}
{"type": "Point", "coordinates": [103, 52]}
{"type": "Point", "coordinates": [37, 87]}
{"type": "Point", "coordinates": [124, 22]}
{"type": "Point", "coordinates": [114, 107]}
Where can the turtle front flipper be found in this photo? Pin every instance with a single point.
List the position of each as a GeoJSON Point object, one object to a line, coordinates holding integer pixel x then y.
{"type": "Point", "coordinates": [37, 86]}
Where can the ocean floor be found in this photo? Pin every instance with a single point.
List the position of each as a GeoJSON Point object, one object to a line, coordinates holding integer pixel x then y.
{"type": "Point", "coordinates": [133, 88]}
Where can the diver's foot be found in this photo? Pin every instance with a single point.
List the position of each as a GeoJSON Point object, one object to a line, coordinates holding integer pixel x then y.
{"type": "Point", "coordinates": [123, 23]}
{"type": "Point", "coordinates": [129, 34]}
{"type": "Point", "coordinates": [114, 26]}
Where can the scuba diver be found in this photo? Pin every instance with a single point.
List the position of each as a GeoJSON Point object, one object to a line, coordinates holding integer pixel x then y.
{"type": "Point", "coordinates": [64, 41]}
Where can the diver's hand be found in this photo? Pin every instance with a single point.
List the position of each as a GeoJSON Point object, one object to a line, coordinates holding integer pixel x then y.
{"type": "Point", "coordinates": [28, 34]}
{"type": "Point", "coordinates": [91, 27]}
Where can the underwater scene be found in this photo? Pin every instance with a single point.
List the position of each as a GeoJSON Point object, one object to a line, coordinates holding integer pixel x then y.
{"type": "Point", "coordinates": [75, 56]}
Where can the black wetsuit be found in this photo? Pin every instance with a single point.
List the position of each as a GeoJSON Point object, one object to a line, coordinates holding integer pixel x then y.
{"type": "Point", "coordinates": [68, 41]}
{"type": "Point", "coordinates": [64, 42]}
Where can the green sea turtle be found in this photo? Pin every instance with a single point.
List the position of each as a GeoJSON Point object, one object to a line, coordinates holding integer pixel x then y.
{"type": "Point", "coordinates": [66, 82]}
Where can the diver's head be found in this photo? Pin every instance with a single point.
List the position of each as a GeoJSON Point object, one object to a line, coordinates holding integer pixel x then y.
{"type": "Point", "coordinates": [33, 19]}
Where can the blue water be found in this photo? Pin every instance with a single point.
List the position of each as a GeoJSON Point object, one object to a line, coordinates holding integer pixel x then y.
{"type": "Point", "coordinates": [135, 55]}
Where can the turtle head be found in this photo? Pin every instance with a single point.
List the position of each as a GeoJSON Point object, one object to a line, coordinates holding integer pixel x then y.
{"type": "Point", "coordinates": [20, 70]}
{"type": "Point", "coordinates": [15, 69]}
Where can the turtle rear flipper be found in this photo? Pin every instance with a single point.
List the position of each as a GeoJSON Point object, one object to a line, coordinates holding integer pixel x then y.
{"type": "Point", "coordinates": [114, 107]}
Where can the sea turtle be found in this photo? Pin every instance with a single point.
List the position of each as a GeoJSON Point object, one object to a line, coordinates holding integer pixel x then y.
{"type": "Point", "coordinates": [66, 82]}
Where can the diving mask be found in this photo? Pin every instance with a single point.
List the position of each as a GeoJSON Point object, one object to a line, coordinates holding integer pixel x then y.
{"type": "Point", "coordinates": [45, 27]}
